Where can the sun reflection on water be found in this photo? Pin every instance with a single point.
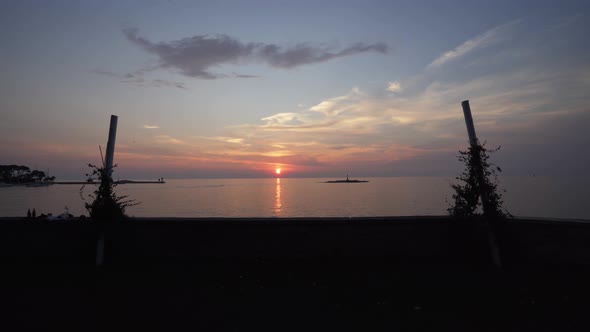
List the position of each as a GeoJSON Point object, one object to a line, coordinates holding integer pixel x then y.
{"type": "Point", "coordinates": [278, 203]}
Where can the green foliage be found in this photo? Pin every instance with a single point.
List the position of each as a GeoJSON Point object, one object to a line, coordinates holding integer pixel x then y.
{"type": "Point", "coordinates": [476, 180]}
{"type": "Point", "coordinates": [106, 204]}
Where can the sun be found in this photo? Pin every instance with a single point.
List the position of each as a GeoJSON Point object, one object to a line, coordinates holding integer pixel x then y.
{"type": "Point", "coordinates": [278, 171]}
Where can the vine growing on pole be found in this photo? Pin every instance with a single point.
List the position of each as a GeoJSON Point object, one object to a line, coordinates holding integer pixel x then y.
{"type": "Point", "coordinates": [480, 177]}
{"type": "Point", "coordinates": [106, 204]}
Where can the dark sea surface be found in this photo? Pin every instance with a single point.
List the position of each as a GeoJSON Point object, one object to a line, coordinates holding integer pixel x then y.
{"type": "Point", "coordinates": [549, 197]}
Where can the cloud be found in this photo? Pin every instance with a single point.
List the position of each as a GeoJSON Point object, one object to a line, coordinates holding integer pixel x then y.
{"type": "Point", "coordinates": [244, 75]}
{"type": "Point", "coordinates": [106, 73]}
{"type": "Point", "coordinates": [165, 83]}
{"type": "Point", "coordinates": [195, 56]}
{"type": "Point", "coordinates": [418, 132]}
{"type": "Point", "coordinates": [150, 127]}
{"type": "Point", "coordinates": [532, 99]}
{"type": "Point", "coordinates": [351, 128]}
{"type": "Point", "coordinates": [166, 139]}
{"type": "Point", "coordinates": [334, 106]}
{"type": "Point", "coordinates": [139, 80]}
{"type": "Point", "coordinates": [302, 54]}
{"type": "Point", "coordinates": [394, 86]}
{"type": "Point", "coordinates": [289, 119]}
{"type": "Point", "coordinates": [487, 38]}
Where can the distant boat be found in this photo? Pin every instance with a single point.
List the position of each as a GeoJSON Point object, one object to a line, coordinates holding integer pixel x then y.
{"type": "Point", "coordinates": [346, 181]}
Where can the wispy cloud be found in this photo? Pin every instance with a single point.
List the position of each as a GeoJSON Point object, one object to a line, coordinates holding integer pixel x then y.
{"type": "Point", "coordinates": [195, 56]}
{"type": "Point", "coordinates": [302, 54]}
{"type": "Point", "coordinates": [150, 127]}
{"type": "Point", "coordinates": [394, 86]}
{"type": "Point", "coordinates": [487, 38]}
{"type": "Point", "coordinates": [137, 78]}
{"type": "Point", "coordinates": [166, 139]}
{"type": "Point", "coordinates": [106, 73]}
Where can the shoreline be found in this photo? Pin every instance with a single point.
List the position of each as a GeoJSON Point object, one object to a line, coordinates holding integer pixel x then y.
{"type": "Point", "coordinates": [115, 182]}
{"type": "Point", "coordinates": [47, 184]}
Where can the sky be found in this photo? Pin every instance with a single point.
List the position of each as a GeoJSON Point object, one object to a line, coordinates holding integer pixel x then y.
{"type": "Point", "coordinates": [230, 89]}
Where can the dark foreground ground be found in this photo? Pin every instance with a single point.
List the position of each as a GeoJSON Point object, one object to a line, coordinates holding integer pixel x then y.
{"type": "Point", "coordinates": [408, 274]}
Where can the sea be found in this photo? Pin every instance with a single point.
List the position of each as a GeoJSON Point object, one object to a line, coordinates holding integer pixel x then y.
{"type": "Point", "coordinates": [532, 196]}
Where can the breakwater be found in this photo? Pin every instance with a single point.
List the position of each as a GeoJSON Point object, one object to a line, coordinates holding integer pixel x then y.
{"type": "Point", "coordinates": [116, 182]}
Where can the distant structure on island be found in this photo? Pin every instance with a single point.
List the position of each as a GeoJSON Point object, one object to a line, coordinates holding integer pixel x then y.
{"type": "Point", "coordinates": [346, 181]}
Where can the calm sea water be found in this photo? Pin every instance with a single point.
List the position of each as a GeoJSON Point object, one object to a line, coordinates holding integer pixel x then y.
{"type": "Point", "coordinates": [405, 196]}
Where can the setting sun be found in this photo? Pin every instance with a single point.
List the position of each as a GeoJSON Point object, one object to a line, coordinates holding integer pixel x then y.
{"type": "Point", "coordinates": [278, 171]}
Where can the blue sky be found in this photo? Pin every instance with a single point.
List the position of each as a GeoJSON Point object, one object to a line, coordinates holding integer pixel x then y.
{"type": "Point", "coordinates": [236, 89]}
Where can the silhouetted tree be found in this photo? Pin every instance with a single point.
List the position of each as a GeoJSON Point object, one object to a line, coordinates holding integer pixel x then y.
{"type": "Point", "coordinates": [22, 174]}
{"type": "Point", "coordinates": [49, 178]}
{"type": "Point", "coordinates": [36, 175]}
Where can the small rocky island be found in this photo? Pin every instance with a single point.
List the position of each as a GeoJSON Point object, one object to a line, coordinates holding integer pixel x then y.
{"type": "Point", "coordinates": [346, 181]}
{"type": "Point", "coordinates": [13, 175]}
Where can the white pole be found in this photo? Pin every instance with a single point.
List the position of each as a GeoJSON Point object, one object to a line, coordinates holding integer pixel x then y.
{"type": "Point", "coordinates": [108, 164]}
{"type": "Point", "coordinates": [111, 145]}
{"type": "Point", "coordinates": [495, 250]}
{"type": "Point", "coordinates": [479, 171]}
{"type": "Point", "coordinates": [469, 122]}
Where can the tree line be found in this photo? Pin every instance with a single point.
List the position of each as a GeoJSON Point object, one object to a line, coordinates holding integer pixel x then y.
{"type": "Point", "coordinates": [22, 174]}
